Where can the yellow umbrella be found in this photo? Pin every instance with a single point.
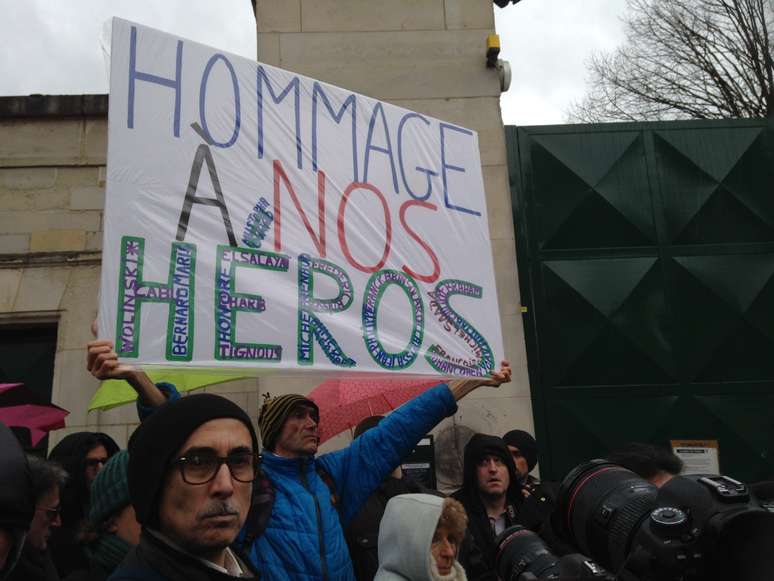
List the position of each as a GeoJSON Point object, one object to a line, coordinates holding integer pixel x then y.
{"type": "Point", "coordinates": [116, 392]}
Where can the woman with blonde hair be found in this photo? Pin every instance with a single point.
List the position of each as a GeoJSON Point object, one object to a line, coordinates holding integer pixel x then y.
{"type": "Point", "coordinates": [419, 538]}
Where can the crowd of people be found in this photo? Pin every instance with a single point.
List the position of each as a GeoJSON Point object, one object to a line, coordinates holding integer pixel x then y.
{"type": "Point", "coordinates": [195, 498]}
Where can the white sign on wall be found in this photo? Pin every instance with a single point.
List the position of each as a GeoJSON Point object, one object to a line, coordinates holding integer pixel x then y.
{"type": "Point", "coordinates": [256, 218]}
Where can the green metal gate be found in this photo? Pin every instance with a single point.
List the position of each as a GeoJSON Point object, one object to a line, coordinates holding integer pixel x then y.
{"type": "Point", "coordinates": [646, 264]}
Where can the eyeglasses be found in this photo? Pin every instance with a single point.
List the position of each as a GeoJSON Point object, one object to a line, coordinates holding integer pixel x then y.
{"type": "Point", "coordinates": [201, 467]}
{"type": "Point", "coordinates": [94, 462]}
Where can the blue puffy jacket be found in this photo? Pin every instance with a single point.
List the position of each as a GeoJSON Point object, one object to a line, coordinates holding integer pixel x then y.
{"type": "Point", "coordinates": [304, 539]}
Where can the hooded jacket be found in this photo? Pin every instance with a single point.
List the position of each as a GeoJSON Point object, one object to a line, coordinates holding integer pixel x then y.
{"type": "Point", "coordinates": [17, 505]}
{"type": "Point", "coordinates": [304, 539]}
{"type": "Point", "coordinates": [405, 536]}
{"type": "Point", "coordinates": [519, 510]}
{"type": "Point", "coordinates": [71, 453]}
{"type": "Point", "coordinates": [363, 531]}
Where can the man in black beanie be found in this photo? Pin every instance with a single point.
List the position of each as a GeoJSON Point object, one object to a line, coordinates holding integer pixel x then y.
{"type": "Point", "coordinates": [191, 470]}
{"type": "Point", "coordinates": [524, 451]}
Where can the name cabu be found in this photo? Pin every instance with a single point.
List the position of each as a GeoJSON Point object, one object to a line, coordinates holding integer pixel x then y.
{"type": "Point", "coordinates": [178, 293]}
{"type": "Point", "coordinates": [384, 137]}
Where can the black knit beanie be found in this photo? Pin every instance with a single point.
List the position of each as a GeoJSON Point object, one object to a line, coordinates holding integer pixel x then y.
{"type": "Point", "coordinates": [157, 440]}
{"type": "Point", "coordinates": [526, 445]}
{"type": "Point", "coordinates": [110, 489]}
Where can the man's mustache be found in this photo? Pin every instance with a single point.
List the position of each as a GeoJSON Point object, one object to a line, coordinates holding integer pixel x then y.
{"type": "Point", "coordinates": [222, 508]}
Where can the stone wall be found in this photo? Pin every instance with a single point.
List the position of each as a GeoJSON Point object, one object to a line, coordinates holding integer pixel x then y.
{"type": "Point", "coordinates": [52, 194]}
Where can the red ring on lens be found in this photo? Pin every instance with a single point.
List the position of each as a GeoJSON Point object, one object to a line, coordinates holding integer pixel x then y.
{"type": "Point", "coordinates": [579, 486]}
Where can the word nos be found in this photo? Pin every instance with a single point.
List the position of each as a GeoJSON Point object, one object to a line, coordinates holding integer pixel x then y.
{"type": "Point", "coordinates": [261, 218]}
{"type": "Point", "coordinates": [179, 290]}
{"type": "Point", "coordinates": [391, 141]}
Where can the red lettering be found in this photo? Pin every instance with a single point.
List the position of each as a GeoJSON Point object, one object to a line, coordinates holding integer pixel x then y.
{"type": "Point", "coordinates": [436, 265]}
{"type": "Point", "coordinates": [387, 223]}
{"type": "Point", "coordinates": [319, 240]}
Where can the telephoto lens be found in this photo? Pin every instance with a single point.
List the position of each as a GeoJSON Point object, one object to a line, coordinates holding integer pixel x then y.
{"type": "Point", "coordinates": [600, 508]}
{"type": "Point", "coordinates": [523, 554]}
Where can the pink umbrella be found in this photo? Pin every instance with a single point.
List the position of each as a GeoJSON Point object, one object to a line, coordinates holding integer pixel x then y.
{"type": "Point", "coordinates": [18, 394]}
{"type": "Point", "coordinates": [344, 403]}
{"type": "Point", "coordinates": [6, 386]}
{"type": "Point", "coordinates": [38, 419]}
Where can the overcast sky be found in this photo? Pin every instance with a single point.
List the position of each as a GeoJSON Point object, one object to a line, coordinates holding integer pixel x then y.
{"type": "Point", "coordinates": [56, 46]}
{"type": "Point", "coordinates": [548, 43]}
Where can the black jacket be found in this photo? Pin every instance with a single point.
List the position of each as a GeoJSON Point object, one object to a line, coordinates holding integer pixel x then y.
{"type": "Point", "coordinates": [95, 572]}
{"type": "Point", "coordinates": [362, 534]}
{"type": "Point", "coordinates": [519, 510]}
{"type": "Point", "coordinates": [34, 565]}
{"type": "Point", "coordinates": [17, 505]}
{"type": "Point", "coordinates": [71, 453]}
{"type": "Point", "coordinates": [543, 492]}
{"type": "Point", "coordinates": [155, 560]}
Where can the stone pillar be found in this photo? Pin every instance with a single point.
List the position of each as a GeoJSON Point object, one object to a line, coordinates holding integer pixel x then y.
{"type": "Point", "coordinates": [428, 56]}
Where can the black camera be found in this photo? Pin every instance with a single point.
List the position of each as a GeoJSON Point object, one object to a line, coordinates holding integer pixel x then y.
{"type": "Point", "coordinates": [523, 556]}
{"type": "Point", "coordinates": [697, 527]}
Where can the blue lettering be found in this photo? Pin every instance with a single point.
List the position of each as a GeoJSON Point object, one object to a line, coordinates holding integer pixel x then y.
{"type": "Point", "coordinates": [203, 99]}
{"type": "Point", "coordinates": [386, 150]}
{"type": "Point", "coordinates": [294, 84]}
{"type": "Point", "coordinates": [428, 172]}
{"type": "Point", "coordinates": [446, 166]}
{"type": "Point", "coordinates": [135, 75]}
{"type": "Point", "coordinates": [337, 117]}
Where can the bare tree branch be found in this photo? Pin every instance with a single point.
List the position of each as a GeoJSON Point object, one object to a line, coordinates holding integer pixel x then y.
{"type": "Point", "coordinates": [685, 59]}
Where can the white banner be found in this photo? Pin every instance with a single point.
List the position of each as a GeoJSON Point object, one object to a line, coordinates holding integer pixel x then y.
{"type": "Point", "coordinates": [256, 218]}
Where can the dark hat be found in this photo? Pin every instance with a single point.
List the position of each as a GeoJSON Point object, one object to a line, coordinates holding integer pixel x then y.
{"type": "Point", "coordinates": [481, 445]}
{"type": "Point", "coordinates": [367, 424]}
{"type": "Point", "coordinates": [526, 445]}
{"type": "Point", "coordinates": [17, 504]}
{"type": "Point", "coordinates": [110, 489]}
{"type": "Point", "coordinates": [275, 411]}
{"type": "Point", "coordinates": [154, 444]}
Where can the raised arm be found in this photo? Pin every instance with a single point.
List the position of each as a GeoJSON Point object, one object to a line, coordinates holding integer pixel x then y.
{"type": "Point", "coordinates": [102, 362]}
{"type": "Point", "coordinates": [360, 468]}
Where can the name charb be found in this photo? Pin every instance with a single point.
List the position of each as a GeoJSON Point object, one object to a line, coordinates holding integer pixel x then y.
{"type": "Point", "coordinates": [379, 137]}
{"type": "Point", "coordinates": [237, 267]}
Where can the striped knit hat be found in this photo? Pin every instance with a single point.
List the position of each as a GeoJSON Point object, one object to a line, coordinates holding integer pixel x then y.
{"type": "Point", "coordinates": [110, 489]}
{"type": "Point", "coordinates": [275, 411]}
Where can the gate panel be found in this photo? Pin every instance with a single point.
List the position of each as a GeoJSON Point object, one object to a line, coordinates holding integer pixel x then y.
{"type": "Point", "coordinates": [646, 264]}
